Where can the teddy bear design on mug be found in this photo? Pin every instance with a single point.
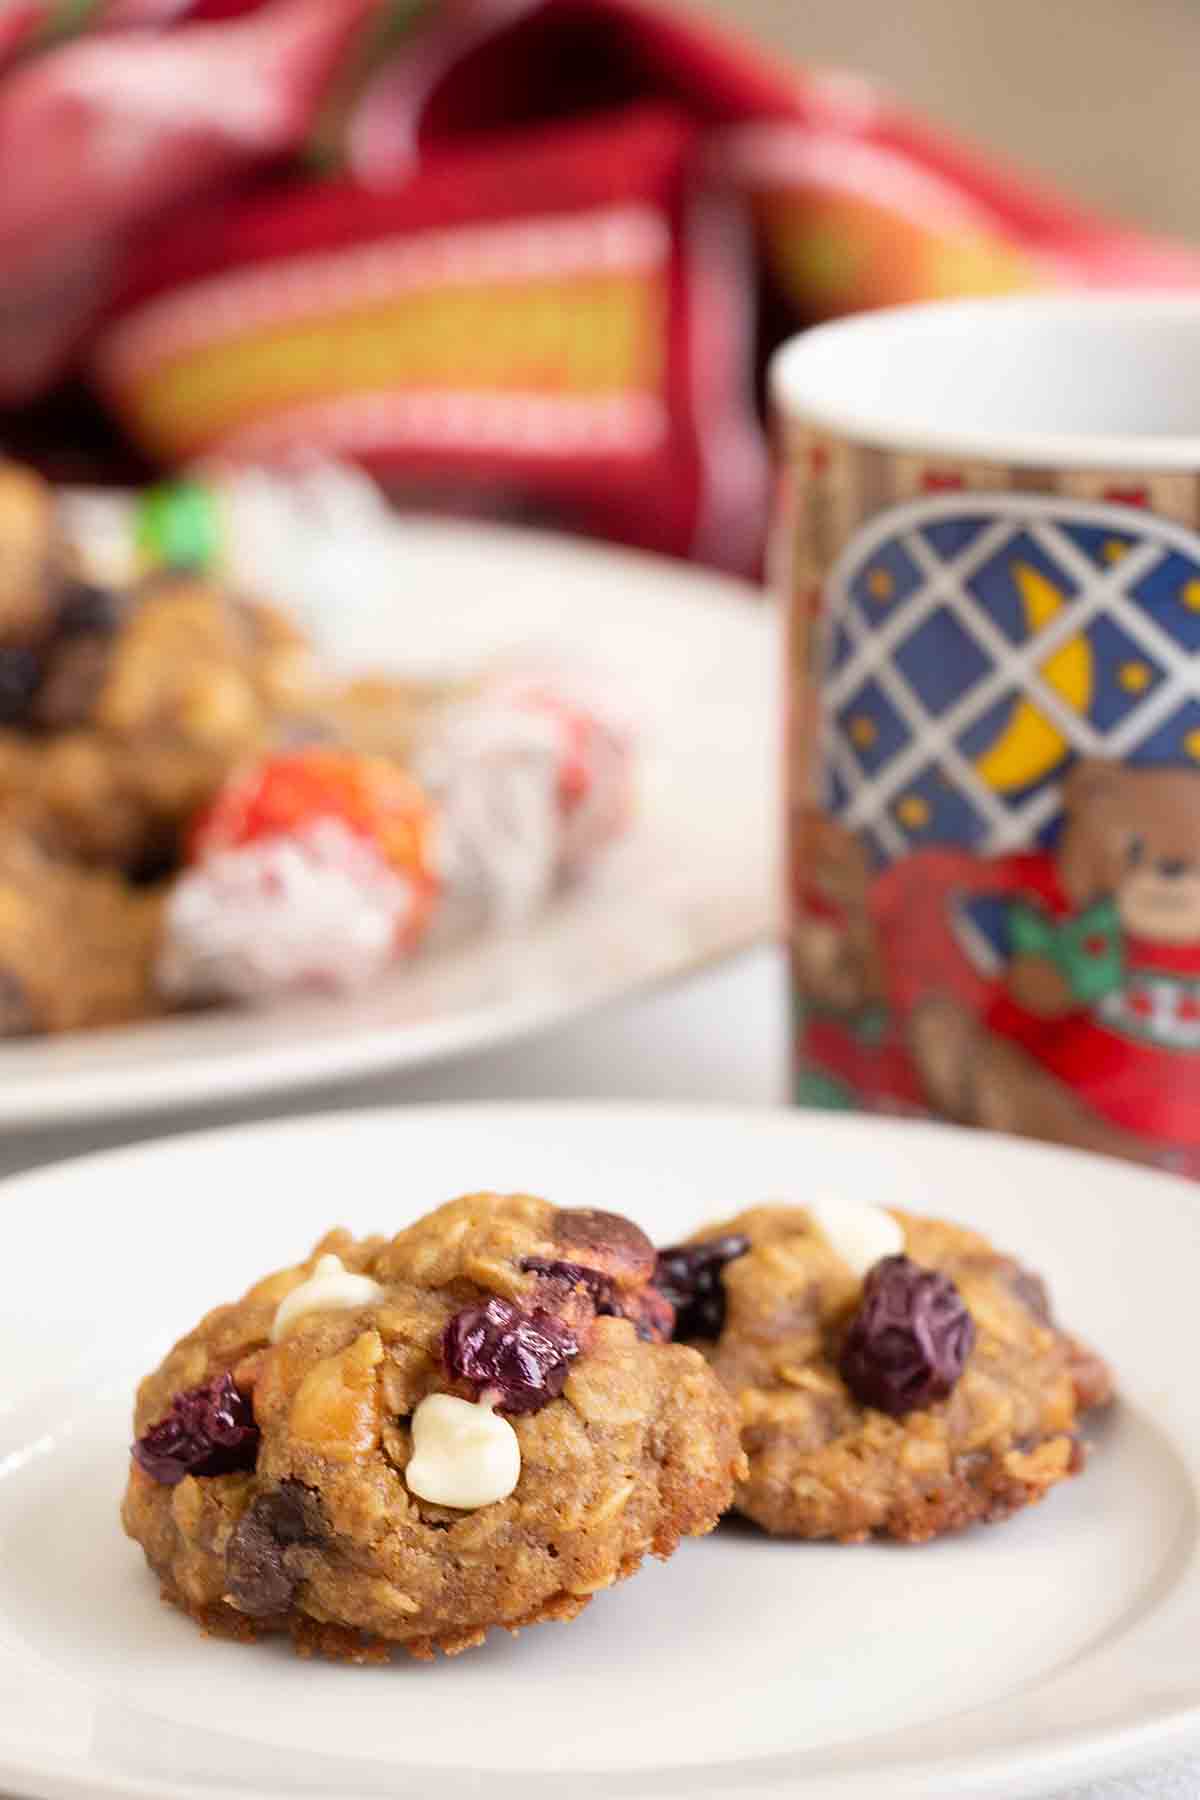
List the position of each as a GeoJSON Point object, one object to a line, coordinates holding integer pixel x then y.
{"type": "Point", "coordinates": [996, 907]}
{"type": "Point", "coordinates": [1094, 949]}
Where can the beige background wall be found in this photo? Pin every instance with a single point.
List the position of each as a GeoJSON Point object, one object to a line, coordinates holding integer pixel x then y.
{"type": "Point", "coordinates": [1104, 95]}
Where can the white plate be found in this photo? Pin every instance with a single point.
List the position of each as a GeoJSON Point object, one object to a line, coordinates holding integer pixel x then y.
{"type": "Point", "coordinates": [1009, 1660]}
{"type": "Point", "coordinates": [691, 653]}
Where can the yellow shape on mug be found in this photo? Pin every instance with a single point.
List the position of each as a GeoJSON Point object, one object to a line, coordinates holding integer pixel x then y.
{"type": "Point", "coordinates": [1030, 746]}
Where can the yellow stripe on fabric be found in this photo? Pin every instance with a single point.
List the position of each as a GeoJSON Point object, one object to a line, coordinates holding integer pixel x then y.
{"type": "Point", "coordinates": [838, 253]}
{"type": "Point", "coordinates": [592, 336]}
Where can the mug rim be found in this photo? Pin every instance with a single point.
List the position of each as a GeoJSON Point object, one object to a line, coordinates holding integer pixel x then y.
{"type": "Point", "coordinates": [796, 393]}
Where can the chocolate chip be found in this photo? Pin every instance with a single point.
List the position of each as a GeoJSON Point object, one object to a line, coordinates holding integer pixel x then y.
{"type": "Point", "coordinates": [294, 1513]}
{"type": "Point", "coordinates": [260, 1581]}
{"type": "Point", "coordinates": [606, 1241]}
{"type": "Point", "coordinates": [257, 1582]}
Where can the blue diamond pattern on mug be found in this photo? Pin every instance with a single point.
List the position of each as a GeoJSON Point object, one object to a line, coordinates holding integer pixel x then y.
{"type": "Point", "coordinates": [948, 537]}
{"type": "Point", "coordinates": [941, 661]}
{"type": "Point", "coordinates": [1017, 583]}
{"type": "Point", "coordinates": [885, 583]}
{"type": "Point", "coordinates": [1101, 544]}
{"type": "Point", "coordinates": [873, 728]}
{"type": "Point", "coordinates": [1170, 593]}
{"type": "Point", "coordinates": [1007, 662]}
{"type": "Point", "coordinates": [841, 649]}
{"type": "Point", "coordinates": [836, 791]}
{"type": "Point", "coordinates": [1013, 748]}
{"type": "Point", "coordinates": [1123, 674]}
{"type": "Point", "coordinates": [930, 809]}
{"type": "Point", "coordinates": [1174, 742]}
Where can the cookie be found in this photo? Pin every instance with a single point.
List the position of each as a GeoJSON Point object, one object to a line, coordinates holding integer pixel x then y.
{"type": "Point", "coordinates": [198, 667]}
{"type": "Point", "coordinates": [135, 708]}
{"type": "Point", "coordinates": [893, 1374]}
{"type": "Point", "coordinates": [405, 1443]}
{"type": "Point", "coordinates": [77, 946]}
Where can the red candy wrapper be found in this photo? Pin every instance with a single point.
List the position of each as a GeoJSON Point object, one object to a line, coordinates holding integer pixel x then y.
{"type": "Point", "coordinates": [311, 871]}
{"type": "Point", "coordinates": [531, 780]}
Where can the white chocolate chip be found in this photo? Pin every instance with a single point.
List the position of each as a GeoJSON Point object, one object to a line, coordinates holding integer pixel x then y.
{"type": "Point", "coordinates": [330, 1288]}
{"type": "Point", "coordinates": [859, 1234]}
{"type": "Point", "coordinates": [464, 1454]}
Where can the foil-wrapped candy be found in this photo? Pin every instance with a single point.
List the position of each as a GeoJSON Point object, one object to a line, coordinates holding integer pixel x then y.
{"type": "Point", "coordinates": [311, 871]}
{"type": "Point", "coordinates": [530, 781]}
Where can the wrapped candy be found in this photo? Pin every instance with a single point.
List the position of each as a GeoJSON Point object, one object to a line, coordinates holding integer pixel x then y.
{"type": "Point", "coordinates": [594, 756]}
{"type": "Point", "coordinates": [530, 780]}
{"type": "Point", "coordinates": [312, 870]}
{"type": "Point", "coordinates": [319, 866]}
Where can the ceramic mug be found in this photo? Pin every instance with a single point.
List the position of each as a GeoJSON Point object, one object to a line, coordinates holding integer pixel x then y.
{"type": "Point", "coordinates": [988, 532]}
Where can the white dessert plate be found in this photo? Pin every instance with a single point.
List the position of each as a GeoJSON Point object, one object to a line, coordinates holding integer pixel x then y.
{"type": "Point", "coordinates": [691, 657]}
{"type": "Point", "coordinates": [1011, 1660]}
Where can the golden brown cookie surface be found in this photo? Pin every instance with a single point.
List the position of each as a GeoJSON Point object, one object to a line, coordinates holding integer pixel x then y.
{"type": "Point", "coordinates": [628, 1446]}
{"type": "Point", "coordinates": [142, 705]}
{"type": "Point", "coordinates": [77, 946]}
{"type": "Point", "coordinates": [823, 1465]}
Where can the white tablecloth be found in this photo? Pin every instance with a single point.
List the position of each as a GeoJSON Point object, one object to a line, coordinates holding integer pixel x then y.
{"type": "Point", "coordinates": [722, 1036]}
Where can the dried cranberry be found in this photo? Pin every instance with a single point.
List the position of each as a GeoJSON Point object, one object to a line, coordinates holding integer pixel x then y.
{"type": "Point", "coordinates": [20, 673]}
{"type": "Point", "coordinates": [689, 1277]}
{"type": "Point", "coordinates": [209, 1430]}
{"type": "Point", "coordinates": [909, 1339]}
{"type": "Point", "coordinates": [521, 1357]}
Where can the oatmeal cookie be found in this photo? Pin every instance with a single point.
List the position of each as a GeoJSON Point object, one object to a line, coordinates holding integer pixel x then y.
{"type": "Point", "coordinates": [404, 1443]}
{"type": "Point", "coordinates": [91, 801]}
{"type": "Point", "coordinates": [893, 1374]}
{"type": "Point", "coordinates": [197, 665]}
{"type": "Point", "coordinates": [142, 705]}
{"type": "Point", "coordinates": [77, 946]}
